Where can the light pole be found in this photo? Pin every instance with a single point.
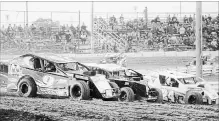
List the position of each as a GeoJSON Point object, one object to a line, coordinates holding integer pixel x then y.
{"type": "Point", "coordinates": [198, 39]}
{"type": "Point", "coordinates": [27, 12]}
{"type": "Point", "coordinates": [92, 25]}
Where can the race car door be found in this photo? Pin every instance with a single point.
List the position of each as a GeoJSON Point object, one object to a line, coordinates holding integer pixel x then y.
{"type": "Point", "coordinates": [48, 78]}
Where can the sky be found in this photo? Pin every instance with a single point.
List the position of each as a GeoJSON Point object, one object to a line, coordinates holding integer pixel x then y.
{"type": "Point", "coordinates": [104, 9]}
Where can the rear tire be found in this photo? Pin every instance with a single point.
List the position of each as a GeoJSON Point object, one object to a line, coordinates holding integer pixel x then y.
{"type": "Point", "coordinates": [27, 88]}
{"type": "Point", "coordinates": [80, 91]}
{"type": "Point", "coordinates": [127, 94]}
{"type": "Point", "coordinates": [193, 98]}
{"type": "Point", "coordinates": [156, 92]}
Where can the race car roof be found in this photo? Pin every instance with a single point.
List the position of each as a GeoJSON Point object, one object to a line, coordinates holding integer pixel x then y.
{"type": "Point", "coordinates": [108, 67]}
{"type": "Point", "coordinates": [52, 57]}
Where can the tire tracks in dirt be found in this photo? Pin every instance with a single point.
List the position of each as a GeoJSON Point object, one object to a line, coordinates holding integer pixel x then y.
{"type": "Point", "coordinates": [66, 109]}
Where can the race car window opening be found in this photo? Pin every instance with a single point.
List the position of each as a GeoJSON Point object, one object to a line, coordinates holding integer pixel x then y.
{"type": "Point", "coordinates": [82, 67]}
{"type": "Point", "coordinates": [190, 80]}
{"type": "Point", "coordinates": [49, 67]}
{"type": "Point", "coordinates": [162, 80]}
{"type": "Point", "coordinates": [37, 64]}
{"type": "Point", "coordinates": [173, 83]}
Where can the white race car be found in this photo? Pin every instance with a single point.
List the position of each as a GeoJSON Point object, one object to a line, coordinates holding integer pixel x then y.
{"type": "Point", "coordinates": [183, 88]}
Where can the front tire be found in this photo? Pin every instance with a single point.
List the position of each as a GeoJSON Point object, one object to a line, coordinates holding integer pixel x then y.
{"type": "Point", "coordinates": [27, 88]}
{"type": "Point", "coordinates": [193, 98]}
{"type": "Point", "coordinates": [127, 94]}
{"type": "Point", "coordinates": [80, 91]}
{"type": "Point", "coordinates": [155, 92]}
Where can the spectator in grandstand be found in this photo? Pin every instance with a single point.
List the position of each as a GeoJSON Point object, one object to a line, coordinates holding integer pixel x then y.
{"type": "Point", "coordinates": [170, 29]}
{"type": "Point", "coordinates": [20, 29]}
{"type": "Point", "coordinates": [121, 20]}
{"type": "Point", "coordinates": [209, 17]}
{"type": "Point", "coordinates": [190, 19]}
{"type": "Point", "coordinates": [26, 31]}
{"type": "Point", "coordinates": [68, 36]}
{"type": "Point", "coordinates": [182, 30]}
{"type": "Point", "coordinates": [185, 19]}
{"type": "Point", "coordinates": [83, 37]}
{"type": "Point", "coordinates": [15, 28]}
{"type": "Point", "coordinates": [57, 37]}
{"type": "Point", "coordinates": [157, 19]}
{"type": "Point", "coordinates": [83, 27]}
{"type": "Point", "coordinates": [10, 31]}
{"type": "Point", "coordinates": [174, 19]}
{"type": "Point", "coordinates": [113, 21]}
{"type": "Point", "coordinates": [33, 29]}
{"type": "Point", "coordinates": [168, 19]}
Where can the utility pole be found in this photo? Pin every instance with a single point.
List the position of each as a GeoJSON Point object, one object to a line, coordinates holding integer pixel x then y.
{"type": "Point", "coordinates": [198, 39]}
{"type": "Point", "coordinates": [27, 12]}
{"type": "Point", "coordinates": [0, 27]}
{"type": "Point", "coordinates": [79, 19]}
{"type": "Point", "coordinates": [180, 11]}
{"type": "Point", "coordinates": [92, 25]}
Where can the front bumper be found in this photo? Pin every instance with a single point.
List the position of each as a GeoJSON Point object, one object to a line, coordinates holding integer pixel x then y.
{"type": "Point", "coordinates": [111, 93]}
{"type": "Point", "coordinates": [211, 101]}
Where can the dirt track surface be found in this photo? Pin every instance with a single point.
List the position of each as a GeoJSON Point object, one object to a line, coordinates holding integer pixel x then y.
{"type": "Point", "coordinates": [66, 109]}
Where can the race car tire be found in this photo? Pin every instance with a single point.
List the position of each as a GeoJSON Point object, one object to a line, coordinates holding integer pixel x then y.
{"type": "Point", "coordinates": [127, 94]}
{"type": "Point", "coordinates": [80, 91]}
{"type": "Point", "coordinates": [193, 98]}
{"type": "Point", "coordinates": [27, 88]}
{"type": "Point", "coordinates": [157, 93]}
{"type": "Point", "coordinates": [113, 85]}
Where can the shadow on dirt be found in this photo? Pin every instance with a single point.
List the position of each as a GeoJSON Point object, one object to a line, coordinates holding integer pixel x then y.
{"type": "Point", "coordinates": [12, 115]}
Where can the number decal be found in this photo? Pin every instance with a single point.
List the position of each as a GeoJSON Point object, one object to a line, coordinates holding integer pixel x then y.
{"type": "Point", "coordinates": [48, 80]}
{"type": "Point", "coordinates": [15, 69]}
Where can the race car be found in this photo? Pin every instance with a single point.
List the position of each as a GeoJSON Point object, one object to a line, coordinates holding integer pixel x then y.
{"type": "Point", "coordinates": [119, 59]}
{"type": "Point", "coordinates": [49, 74]}
{"type": "Point", "coordinates": [131, 82]}
{"type": "Point", "coordinates": [183, 88]}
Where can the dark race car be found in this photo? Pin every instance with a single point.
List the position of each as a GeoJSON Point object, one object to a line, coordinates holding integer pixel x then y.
{"type": "Point", "coordinates": [132, 83]}
{"type": "Point", "coordinates": [49, 74]}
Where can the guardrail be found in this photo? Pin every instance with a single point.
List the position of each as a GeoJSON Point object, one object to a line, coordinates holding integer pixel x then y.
{"type": "Point", "coordinates": [207, 70]}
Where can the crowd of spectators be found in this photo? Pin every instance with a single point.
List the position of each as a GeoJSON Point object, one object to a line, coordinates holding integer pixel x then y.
{"type": "Point", "coordinates": [34, 32]}
{"type": "Point", "coordinates": [162, 34]}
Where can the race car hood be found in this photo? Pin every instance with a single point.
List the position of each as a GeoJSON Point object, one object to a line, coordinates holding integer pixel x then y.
{"type": "Point", "coordinates": [193, 86]}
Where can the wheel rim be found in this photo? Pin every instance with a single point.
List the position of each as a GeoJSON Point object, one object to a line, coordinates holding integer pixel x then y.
{"type": "Point", "coordinates": [76, 91]}
{"type": "Point", "coordinates": [123, 96]}
{"type": "Point", "coordinates": [153, 93]}
{"type": "Point", "coordinates": [24, 88]}
{"type": "Point", "coordinates": [192, 99]}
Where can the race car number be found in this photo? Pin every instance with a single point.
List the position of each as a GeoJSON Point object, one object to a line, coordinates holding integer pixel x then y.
{"type": "Point", "coordinates": [48, 80]}
{"type": "Point", "coordinates": [14, 69]}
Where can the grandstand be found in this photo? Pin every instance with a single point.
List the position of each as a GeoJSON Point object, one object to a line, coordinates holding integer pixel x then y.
{"type": "Point", "coordinates": [160, 32]}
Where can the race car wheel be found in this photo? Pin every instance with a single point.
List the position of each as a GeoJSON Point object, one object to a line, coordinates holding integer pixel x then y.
{"type": "Point", "coordinates": [27, 88]}
{"type": "Point", "coordinates": [127, 94]}
{"type": "Point", "coordinates": [193, 98]}
{"type": "Point", "coordinates": [80, 91]}
{"type": "Point", "coordinates": [113, 85]}
{"type": "Point", "coordinates": [155, 92]}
